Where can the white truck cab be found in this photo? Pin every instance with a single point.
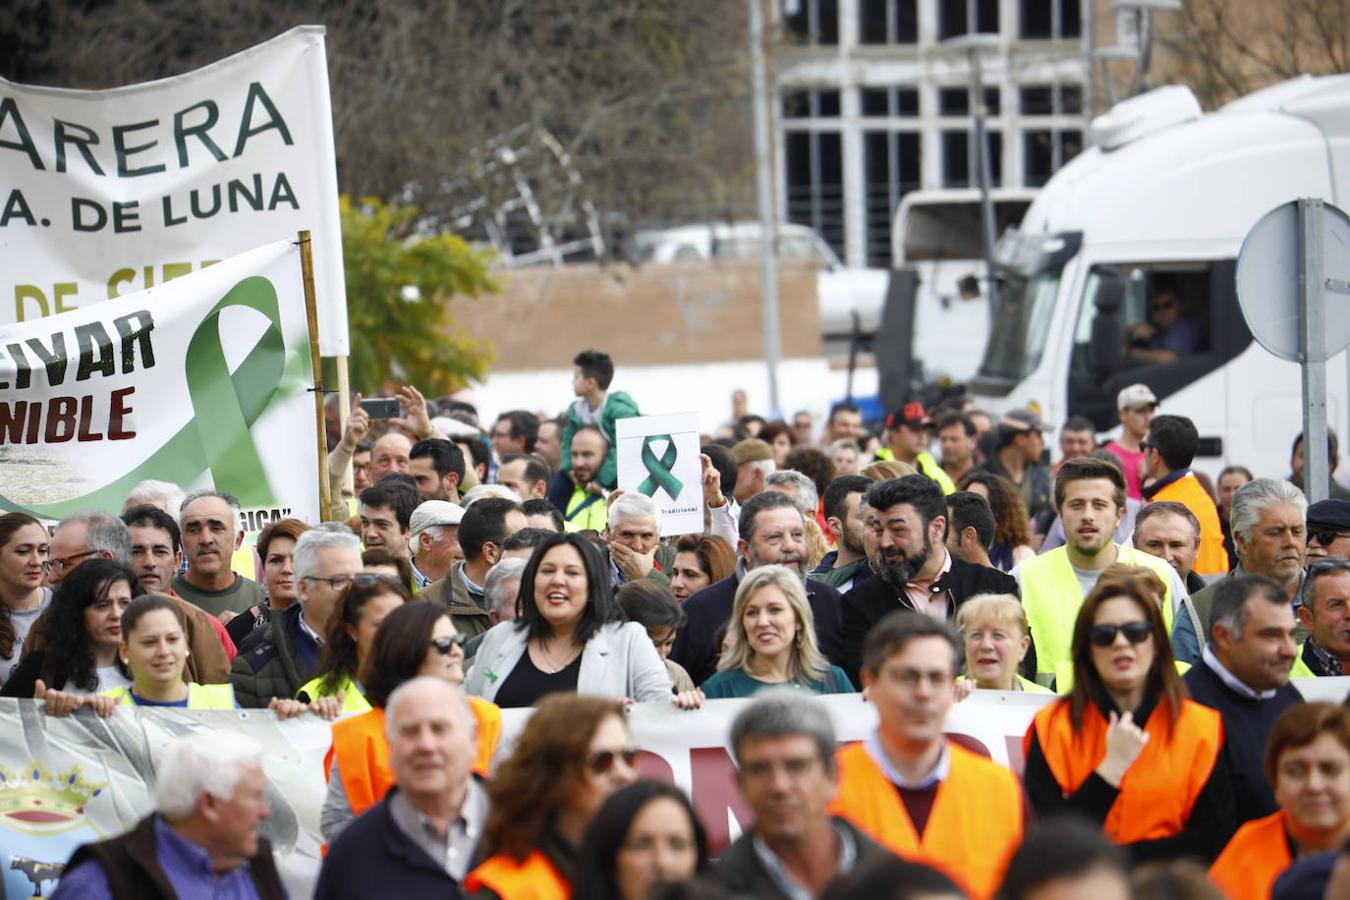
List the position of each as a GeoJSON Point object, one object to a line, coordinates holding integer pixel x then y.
{"type": "Point", "coordinates": [1158, 209]}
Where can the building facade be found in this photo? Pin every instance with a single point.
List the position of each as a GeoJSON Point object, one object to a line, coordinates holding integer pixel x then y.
{"type": "Point", "coordinates": [875, 99]}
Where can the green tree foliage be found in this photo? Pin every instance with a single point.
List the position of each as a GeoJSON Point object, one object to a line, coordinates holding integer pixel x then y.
{"type": "Point", "coordinates": [399, 290]}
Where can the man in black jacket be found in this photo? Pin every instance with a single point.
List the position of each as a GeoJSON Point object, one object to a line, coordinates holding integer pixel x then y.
{"type": "Point", "coordinates": [771, 531]}
{"type": "Point", "coordinates": [421, 840]}
{"type": "Point", "coordinates": [784, 744]}
{"type": "Point", "coordinates": [907, 518]}
{"type": "Point", "coordinates": [1244, 674]}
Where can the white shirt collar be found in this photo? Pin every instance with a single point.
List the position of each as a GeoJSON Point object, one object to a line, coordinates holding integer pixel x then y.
{"type": "Point", "coordinates": [878, 753]}
{"type": "Point", "coordinates": [1235, 684]}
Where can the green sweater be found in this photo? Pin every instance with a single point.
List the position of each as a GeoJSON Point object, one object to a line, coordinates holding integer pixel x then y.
{"type": "Point", "coordinates": [618, 405]}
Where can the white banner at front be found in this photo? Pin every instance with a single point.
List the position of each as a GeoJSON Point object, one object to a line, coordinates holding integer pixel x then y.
{"type": "Point", "coordinates": [104, 193]}
{"type": "Point", "coordinates": [69, 781]}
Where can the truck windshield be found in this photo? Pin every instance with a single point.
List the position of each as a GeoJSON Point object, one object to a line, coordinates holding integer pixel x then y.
{"type": "Point", "coordinates": [1020, 325]}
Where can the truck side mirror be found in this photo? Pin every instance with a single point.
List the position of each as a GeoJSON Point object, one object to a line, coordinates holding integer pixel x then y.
{"type": "Point", "coordinates": [1107, 354]}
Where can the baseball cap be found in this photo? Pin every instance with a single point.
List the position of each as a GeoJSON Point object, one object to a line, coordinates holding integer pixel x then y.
{"type": "Point", "coordinates": [1330, 514]}
{"type": "Point", "coordinates": [751, 450]}
{"type": "Point", "coordinates": [429, 513]}
{"type": "Point", "coordinates": [1135, 395]}
{"type": "Point", "coordinates": [1023, 420]}
{"type": "Point", "coordinates": [911, 414]}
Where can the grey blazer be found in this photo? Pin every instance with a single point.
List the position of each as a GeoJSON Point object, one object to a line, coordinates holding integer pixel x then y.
{"type": "Point", "coordinates": [618, 661]}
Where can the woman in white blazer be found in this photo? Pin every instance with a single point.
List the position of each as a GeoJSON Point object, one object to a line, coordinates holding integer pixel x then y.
{"type": "Point", "coordinates": [569, 635]}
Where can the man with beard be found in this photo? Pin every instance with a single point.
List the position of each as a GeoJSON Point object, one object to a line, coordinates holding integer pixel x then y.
{"type": "Point", "coordinates": [1090, 500]}
{"type": "Point", "coordinates": [574, 491]}
{"type": "Point", "coordinates": [846, 565]}
{"type": "Point", "coordinates": [771, 531]}
{"type": "Point", "coordinates": [914, 572]}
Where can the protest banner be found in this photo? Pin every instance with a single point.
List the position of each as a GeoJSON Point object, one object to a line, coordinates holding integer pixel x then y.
{"type": "Point", "coordinates": [67, 781]}
{"type": "Point", "coordinates": [202, 382]}
{"type": "Point", "coordinates": [110, 192]}
{"type": "Point", "coordinates": [659, 456]}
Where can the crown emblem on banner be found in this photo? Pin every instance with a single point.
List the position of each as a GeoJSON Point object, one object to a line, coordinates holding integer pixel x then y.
{"type": "Point", "coordinates": [36, 801]}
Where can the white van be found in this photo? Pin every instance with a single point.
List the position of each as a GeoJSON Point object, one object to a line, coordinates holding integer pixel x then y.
{"type": "Point", "coordinates": [1162, 203]}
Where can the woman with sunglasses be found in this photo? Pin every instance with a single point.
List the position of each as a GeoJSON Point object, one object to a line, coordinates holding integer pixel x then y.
{"type": "Point", "coordinates": [334, 689]}
{"type": "Point", "coordinates": [570, 636]}
{"type": "Point", "coordinates": [1127, 747]}
{"type": "Point", "coordinates": [84, 622]}
{"type": "Point", "coordinates": [645, 834]}
{"type": "Point", "coordinates": [23, 563]}
{"type": "Point", "coordinates": [416, 638]}
{"type": "Point", "coordinates": [572, 754]}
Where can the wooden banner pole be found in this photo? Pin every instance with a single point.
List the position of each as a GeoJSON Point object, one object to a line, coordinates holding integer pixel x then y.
{"type": "Point", "coordinates": [312, 316]}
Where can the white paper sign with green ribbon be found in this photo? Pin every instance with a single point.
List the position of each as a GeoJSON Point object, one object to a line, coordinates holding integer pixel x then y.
{"type": "Point", "coordinates": [201, 382]}
{"type": "Point", "coordinates": [104, 193]}
{"type": "Point", "coordinates": [658, 456]}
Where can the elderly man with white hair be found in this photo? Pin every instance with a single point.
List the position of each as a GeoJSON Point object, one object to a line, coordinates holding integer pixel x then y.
{"type": "Point", "coordinates": [162, 495]}
{"type": "Point", "coordinates": [634, 538]}
{"type": "Point", "coordinates": [201, 841]}
{"type": "Point", "coordinates": [1270, 536]}
{"type": "Point", "coordinates": [421, 839]}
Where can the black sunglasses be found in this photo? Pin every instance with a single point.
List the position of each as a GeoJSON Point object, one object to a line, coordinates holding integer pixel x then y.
{"type": "Point", "coordinates": [1328, 536]}
{"type": "Point", "coordinates": [443, 645]}
{"type": "Point", "coordinates": [1105, 635]}
{"type": "Point", "coordinates": [603, 760]}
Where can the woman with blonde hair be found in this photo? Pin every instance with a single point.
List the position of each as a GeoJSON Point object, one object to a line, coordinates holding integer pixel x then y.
{"type": "Point", "coordinates": [773, 640]}
{"type": "Point", "coordinates": [886, 469]}
{"type": "Point", "coordinates": [994, 629]}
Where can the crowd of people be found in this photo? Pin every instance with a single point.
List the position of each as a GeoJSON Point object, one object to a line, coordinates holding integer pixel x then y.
{"type": "Point", "coordinates": [466, 568]}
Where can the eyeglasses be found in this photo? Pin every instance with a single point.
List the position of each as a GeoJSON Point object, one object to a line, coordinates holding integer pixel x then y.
{"type": "Point", "coordinates": [60, 565]}
{"type": "Point", "coordinates": [1163, 305]}
{"type": "Point", "coordinates": [444, 644]}
{"type": "Point", "coordinates": [1105, 635]}
{"type": "Point", "coordinates": [1145, 446]}
{"type": "Point", "coordinates": [1326, 537]}
{"type": "Point", "coordinates": [603, 760]}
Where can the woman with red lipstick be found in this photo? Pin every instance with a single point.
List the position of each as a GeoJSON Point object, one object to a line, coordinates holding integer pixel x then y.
{"type": "Point", "coordinates": [84, 622]}
{"type": "Point", "coordinates": [23, 563]}
{"type": "Point", "coordinates": [1127, 748]}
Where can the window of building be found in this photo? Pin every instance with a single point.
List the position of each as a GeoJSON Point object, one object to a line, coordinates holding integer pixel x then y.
{"type": "Point", "coordinates": [958, 159]}
{"type": "Point", "coordinates": [888, 102]}
{"type": "Point", "coordinates": [890, 170]}
{"type": "Point", "coordinates": [813, 21]}
{"type": "Point", "coordinates": [954, 101]}
{"type": "Point", "coordinates": [1045, 150]}
{"type": "Point", "coordinates": [1048, 19]}
{"type": "Point", "coordinates": [1050, 100]}
{"type": "Point", "coordinates": [814, 175]}
{"type": "Point", "coordinates": [958, 17]}
{"type": "Point", "coordinates": [811, 104]}
{"type": "Point", "coordinates": [888, 22]}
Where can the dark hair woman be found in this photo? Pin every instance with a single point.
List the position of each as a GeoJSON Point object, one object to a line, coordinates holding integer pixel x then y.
{"type": "Point", "coordinates": [570, 636]}
{"type": "Point", "coordinates": [645, 834]}
{"type": "Point", "coordinates": [573, 753]}
{"type": "Point", "coordinates": [416, 638]}
{"type": "Point", "coordinates": [84, 625]}
{"type": "Point", "coordinates": [276, 549]}
{"type": "Point", "coordinates": [23, 563]}
{"type": "Point", "coordinates": [1129, 714]}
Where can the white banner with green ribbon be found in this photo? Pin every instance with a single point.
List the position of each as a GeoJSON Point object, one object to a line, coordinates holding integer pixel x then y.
{"type": "Point", "coordinates": [202, 382]}
{"type": "Point", "coordinates": [104, 193]}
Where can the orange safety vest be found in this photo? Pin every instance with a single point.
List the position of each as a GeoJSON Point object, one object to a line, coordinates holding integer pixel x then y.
{"type": "Point", "coordinates": [1159, 790]}
{"type": "Point", "coordinates": [1187, 490]}
{"type": "Point", "coordinates": [362, 752]}
{"type": "Point", "coordinates": [972, 831]}
{"type": "Point", "coordinates": [534, 879]}
{"type": "Point", "coordinates": [1254, 858]}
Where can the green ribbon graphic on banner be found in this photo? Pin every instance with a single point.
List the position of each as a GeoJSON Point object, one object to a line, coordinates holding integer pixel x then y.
{"type": "Point", "coordinates": [225, 406]}
{"type": "Point", "coordinates": [658, 470]}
